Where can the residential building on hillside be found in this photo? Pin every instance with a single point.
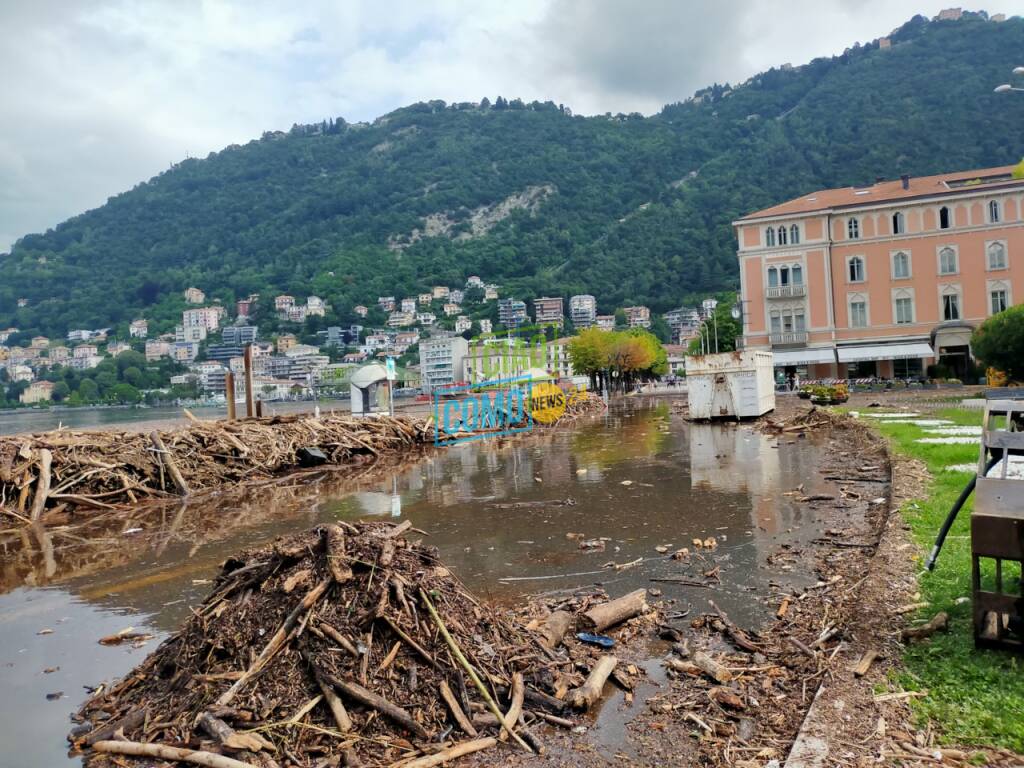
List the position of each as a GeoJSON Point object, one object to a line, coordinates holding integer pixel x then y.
{"type": "Point", "coordinates": [17, 373]}
{"type": "Point", "coordinates": [401, 319]}
{"type": "Point", "coordinates": [638, 317]}
{"type": "Point", "coordinates": [360, 310]}
{"type": "Point", "coordinates": [85, 350]}
{"type": "Point", "coordinates": [463, 323]}
{"type": "Point", "coordinates": [185, 351]}
{"type": "Point", "coordinates": [79, 334]}
{"type": "Point", "coordinates": [315, 306]}
{"type": "Point", "coordinates": [474, 281]}
{"type": "Point", "coordinates": [605, 322]}
{"type": "Point", "coordinates": [387, 303]}
{"type": "Point", "coordinates": [156, 349]}
{"type": "Point", "coordinates": [58, 354]}
{"type": "Point", "coordinates": [441, 361]}
{"type": "Point", "coordinates": [409, 305]}
{"type": "Point", "coordinates": [451, 309]}
{"type": "Point", "coordinates": [456, 296]}
{"type": "Point", "coordinates": [283, 303]}
{"type": "Point", "coordinates": [37, 392]}
{"type": "Point", "coordinates": [138, 329]}
{"type": "Point", "coordinates": [115, 348]}
{"type": "Point", "coordinates": [239, 335]}
{"type": "Point", "coordinates": [548, 310]}
{"type": "Point", "coordinates": [485, 325]}
{"type": "Point", "coordinates": [39, 342]}
{"type": "Point", "coordinates": [440, 292]}
{"type": "Point", "coordinates": [885, 279]}
{"type": "Point", "coordinates": [243, 308]}
{"type": "Point", "coordinates": [194, 296]}
{"type": "Point", "coordinates": [426, 318]}
{"type": "Point", "coordinates": [676, 358]}
{"type": "Point", "coordinates": [285, 342]}
{"type": "Point", "coordinates": [490, 293]}
{"type": "Point", "coordinates": [6, 334]}
{"type": "Point", "coordinates": [208, 317]}
{"type": "Point", "coordinates": [511, 312]}
{"type": "Point", "coordinates": [190, 333]}
{"type": "Point", "coordinates": [425, 299]}
{"type": "Point", "coordinates": [297, 314]}
{"type": "Point", "coordinates": [583, 310]}
{"type": "Point", "coordinates": [84, 362]}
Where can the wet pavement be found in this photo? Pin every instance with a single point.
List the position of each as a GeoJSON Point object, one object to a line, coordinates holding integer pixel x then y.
{"type": "Point", "coordinates": [640, 480]}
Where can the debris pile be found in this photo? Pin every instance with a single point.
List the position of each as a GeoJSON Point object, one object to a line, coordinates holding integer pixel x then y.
{"type": "Point", "coordinates": [110, 470]}
{"type": "Point", "coordinates": [348, 645]}
{"type": "Point", "coordinates": [812, 418]}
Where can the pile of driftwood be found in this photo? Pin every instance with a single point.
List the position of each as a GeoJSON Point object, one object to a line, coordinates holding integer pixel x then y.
{"type": "Point", "coordinates": [112, 470]}
{"type": "Point", "coordinates": [347, 645]}
{"type": "Point", "coordinates": [812, 418]}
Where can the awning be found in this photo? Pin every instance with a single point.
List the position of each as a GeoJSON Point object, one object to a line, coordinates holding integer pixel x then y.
{"type": "Point", "coordinates": [907, 351]}
{"type": "Point", "coordinates": [805, 356]}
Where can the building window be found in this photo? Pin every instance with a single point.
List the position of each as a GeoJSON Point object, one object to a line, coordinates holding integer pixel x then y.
{"type": "Point", "coordinates": [794, 235]}
{"type": "Point", "coordinates": [783, 275]}
{"type": "Point", "coordinates": [951, 307]}
{"type": "Point", "coordinates": [908, 369]}
{"type": "Point", "coordinates": [782, 235]}
{"type": "Point", "coordinates": [998, 300]}
{"type": "Point", "coordinates": [798, 274]}
{"type": "Point", "coordinates": [996, 256]}
{"type": "Point", "coordinates": [776, 322]}
{"type": "Point", "coordinates": [943, 217]}
{"type": "Point", "coordinates": [852, 229]}
{"type": "Point", "coordinates": [769, 237]}
{"type": "Point", "coordinates": [947, 261]}
{"type": "Point", "coordinates": [773, 277]}
{"type": "Point", "coordinates": [904, 310]}
{"type": "Point", "coordinates": [858, 313]}
{"type": "Point", "coordinates": [799, 323]}
{"type": "Point", "coordinates": [899, 223]}
{"type": "Point", "coordinates": [855, 269]}
{"type": "Point", "coordinates": [900, 265]}
{"type": "Point", "coordinates": [994, 214]}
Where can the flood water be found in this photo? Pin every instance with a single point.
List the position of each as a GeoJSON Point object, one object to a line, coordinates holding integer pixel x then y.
{"type": "Point", "coordinates": [639, 478]}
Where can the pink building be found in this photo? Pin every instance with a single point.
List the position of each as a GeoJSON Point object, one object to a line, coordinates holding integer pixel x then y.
{"type": "Point", "coordinates": [885, 279]}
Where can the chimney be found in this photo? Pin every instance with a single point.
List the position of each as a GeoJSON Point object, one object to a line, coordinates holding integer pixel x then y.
{"type": "Point", "coordinates": [906, 181]}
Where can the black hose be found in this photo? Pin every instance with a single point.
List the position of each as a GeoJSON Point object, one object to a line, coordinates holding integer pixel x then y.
{"type": "Point", "coordinates": [961, 500]}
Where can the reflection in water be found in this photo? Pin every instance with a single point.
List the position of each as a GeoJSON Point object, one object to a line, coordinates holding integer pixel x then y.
{"type": "Point", "coordinates": [498, 511]}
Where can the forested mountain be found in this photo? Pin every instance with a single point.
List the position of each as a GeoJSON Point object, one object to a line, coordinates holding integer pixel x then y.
{"type": "Point", "coordinates": [629, 208]}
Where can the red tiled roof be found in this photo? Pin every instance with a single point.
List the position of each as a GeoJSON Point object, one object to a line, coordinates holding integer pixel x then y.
{"type": "Point", "coordinates": [886, 191]}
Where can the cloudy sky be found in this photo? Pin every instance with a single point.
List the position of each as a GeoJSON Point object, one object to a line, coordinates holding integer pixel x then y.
{"type": "Point", "coordinates": [98, 95]}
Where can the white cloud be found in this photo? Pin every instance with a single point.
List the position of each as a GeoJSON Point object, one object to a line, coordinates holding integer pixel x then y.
{"type": "Point", "coordinates": [101, 94]}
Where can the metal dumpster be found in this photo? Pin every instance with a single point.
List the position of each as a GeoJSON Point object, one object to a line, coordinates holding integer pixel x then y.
{"type": "Point", "coordinates": [730, 385]}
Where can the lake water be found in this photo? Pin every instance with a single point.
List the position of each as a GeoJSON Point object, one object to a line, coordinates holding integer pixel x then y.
{"type": "Point", "coordinates": [639, 478]}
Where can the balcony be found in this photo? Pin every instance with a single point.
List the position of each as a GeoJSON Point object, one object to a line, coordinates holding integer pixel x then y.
{"type": "Point", "coordinates": [792, 337]}
{"type": "Point", "coordinates": [786, 291]}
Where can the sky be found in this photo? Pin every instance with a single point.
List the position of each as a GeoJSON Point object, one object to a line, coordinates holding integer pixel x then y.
{"type": "Point", "coordinates": [97, 96]}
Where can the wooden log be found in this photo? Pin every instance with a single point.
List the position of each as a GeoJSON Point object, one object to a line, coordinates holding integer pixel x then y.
{"type": "Point", "coordinates": [447, 755]}
{"type": "Point", "coordinates": [337, 560]}
{"type": "Point", "coordinates": [395, 531]}
{"type": "Point", "coordinates": [600, 617]}
{"type": "Point", "coordinates": [457, 713]}
{"type": "Point", "coordinates": [42, 483]}
{"type": "Point", "coordinates": [369, 699]}
{"type": "Point", "coordinates": [865, 663]}
{"type": "Point", "coordinates": [228, 737]}
{"type": "Point", "coordinates": [337, 637]}
{"type": "Point", "coordinates": [554, 628]}
{"type": "Point", "coordinates": [555, 720]}
{"type": "Point", "coordinates": [409, 641]}
{"type": "Point", "coordinates": [276, 641]}
{"type": "Point", "coordinates": [134, 718]}
{"type": "Point", "coordinates": [515, 707]}
{"type": "Point", "coordinates": [711, 668]}
{"type": "Point", "coordinates": [334, 703]}
{"type": "Point", "coordinates": [737, 635]}
{"type": "Point", "coordinates": [164, 752]}
{"type": "Point", "coordinates": [250, 409]}
{"type": "Point", "coordinates": [939, 621]}
{"type": "Point", "coordinates": [167, 459]}
{"type": "Point", "coordinates": [587, 694]}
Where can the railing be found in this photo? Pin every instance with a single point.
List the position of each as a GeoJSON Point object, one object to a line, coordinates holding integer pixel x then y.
{"type": "Point", "coordinates": [793, 337]}
{"type": "Point", "coordinates": [786, 291]}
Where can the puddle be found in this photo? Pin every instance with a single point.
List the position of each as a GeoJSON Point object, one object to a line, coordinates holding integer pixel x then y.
{"type": "Point", "coordinates": [498, 512]}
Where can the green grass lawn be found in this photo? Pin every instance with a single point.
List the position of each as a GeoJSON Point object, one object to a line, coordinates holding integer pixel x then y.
{"type": "Point", "coordinates": [974, 697]}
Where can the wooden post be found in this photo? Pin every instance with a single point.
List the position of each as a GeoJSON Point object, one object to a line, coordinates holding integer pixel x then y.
{"type": "Point", "coordinates": [250, 409]}
{"type": "Point", "coordinates": [229, 394]}
{"type": "Point", "coordinates": [259, 409]}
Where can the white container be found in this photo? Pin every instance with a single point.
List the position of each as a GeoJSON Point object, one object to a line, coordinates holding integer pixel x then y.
{"type": "Point", "coordinates": [730, 385]}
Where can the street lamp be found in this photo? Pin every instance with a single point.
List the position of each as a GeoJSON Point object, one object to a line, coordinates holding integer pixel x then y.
{"type": "Point", "coordinates": [1019, 71]}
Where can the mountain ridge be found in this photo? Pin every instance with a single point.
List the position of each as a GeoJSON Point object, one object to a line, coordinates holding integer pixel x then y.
{"type": "Point", "coordinates": [640, 210]}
